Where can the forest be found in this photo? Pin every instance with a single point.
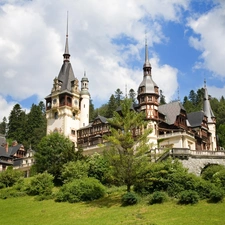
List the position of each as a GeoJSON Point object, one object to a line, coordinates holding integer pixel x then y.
{"type": "Point", "coordinates": [30, 128]}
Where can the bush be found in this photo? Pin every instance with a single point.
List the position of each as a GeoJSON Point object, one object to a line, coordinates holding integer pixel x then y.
{"type": "Point", "coordinates": [74, 170]}
{"type": "Point", "coordinates": [182, 181]}
{"type": "Point", "coordinates": [129, 198]}
{"type": "Point", "coordinates": [40, 184]}
{"type": "Point", "coordinates": [9, 177]}
{"type": "Point", "coordinates": [188, 197]}
{"type": "Point", "coordinates": [203, 188]}
{"type": "Point", "coordinates": [216, 195]}
{"type": "Point", "coordinates": [85, 189]}
{"type": "Point", "coordinates": [2, 185]}
{"type": "Point", "coordinates": [158, 197]}
{"type": "Point", "coordinates": [208, 172]}
{"type": "Point", "coordinates": [11, 193]}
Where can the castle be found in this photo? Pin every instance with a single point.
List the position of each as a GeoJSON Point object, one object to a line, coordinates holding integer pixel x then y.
{"type": "Point", "coordinates": [67, 112]}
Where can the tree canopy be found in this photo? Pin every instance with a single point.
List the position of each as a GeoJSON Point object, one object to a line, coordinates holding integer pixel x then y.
{"type": "Point", "coordinates": [53, 151]}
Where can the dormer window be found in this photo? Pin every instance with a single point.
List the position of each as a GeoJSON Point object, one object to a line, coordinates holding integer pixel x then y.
{"type": "Point", "coordinates": [56, 115]}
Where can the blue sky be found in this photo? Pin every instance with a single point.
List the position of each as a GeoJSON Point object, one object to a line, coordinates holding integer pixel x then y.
{"type": "Point", "coordinates": [107, 39]}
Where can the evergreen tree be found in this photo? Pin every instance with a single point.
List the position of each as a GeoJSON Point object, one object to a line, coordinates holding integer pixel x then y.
{"type": "Point", "coordinates": [126, 153]}
{"type": "Point", "coordinates": [132, 95]}
{"type": "Point", "coordinates": [3, 126]}
{"type": "Point", "coordinates": [118, 96]}
{"type": "Point", "coordinates": [17, 124]}
{"type": "Point", "coordinates": [36, 125]}
{"type": "Point", "coordinates": [162, 98]}
{"type": "Point", "coordinates": [112, 106]}
{"type": "Point", "coordinates": [91, 111]}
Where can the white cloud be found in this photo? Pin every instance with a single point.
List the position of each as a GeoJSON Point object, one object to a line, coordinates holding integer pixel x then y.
{"type": "Point", "coordinates": [33, 36]}
{"type": "Point", "coordinates": [210, 31]}
{"type": "Point", "coordinates": [5, 108]}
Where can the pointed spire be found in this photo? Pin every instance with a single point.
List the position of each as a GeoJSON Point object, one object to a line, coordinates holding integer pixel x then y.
{"type": "Point", "coordinates": [66, 54]}
{"type": "Point", "coordinates": [147, 63]}
{"type": "Point", "coordinates": [207, 107]}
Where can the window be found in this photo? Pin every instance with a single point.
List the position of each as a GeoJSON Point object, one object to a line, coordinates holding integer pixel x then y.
{"type": "Point", "coordinates": [84, 105]}
{"type": "Point", "coordinates": [74, 114]}
{"type": "Point", "coordinates": [73, 132]}
{"type": "Point", "coordinates": [56, 116]}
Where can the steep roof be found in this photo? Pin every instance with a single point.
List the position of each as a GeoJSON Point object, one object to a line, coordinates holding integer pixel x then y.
{"type": "Point", "coordinates": [149, 84]}
{"type": "Point", "coordinates": [195, 118]}
{"type": "Point", "coordinates": [207, 107]}
{"type": "Point", "coordinates": [66, 75]}
{"type": "Point", "coordinates": [171, 111]}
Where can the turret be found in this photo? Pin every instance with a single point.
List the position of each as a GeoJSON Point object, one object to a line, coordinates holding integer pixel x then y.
{"type": "Point", "coordinates": [85, 102]}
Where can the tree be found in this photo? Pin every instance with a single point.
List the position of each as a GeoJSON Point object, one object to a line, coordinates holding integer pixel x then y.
{"type": "Point", "coordinates": [53, 151]}
{"type": "Point", "coordinates": [3, 126]}
{"type": "Point", "coordinates": [126, 153]}
{"type": "Point", "coordinates": [118, 96]}
{"type": "Point", "coordinates": [91, 111]}
{"type": "Point", "coordinates": [162, 98]}
{"type": "Point", "coordinates": [112, 106]}
{"type": "Point", "coordinates": [36, 125]}
{"type": "Point", "coordinates": [17, 123]}
{"type": "Point", "coordinates": [132, 95]}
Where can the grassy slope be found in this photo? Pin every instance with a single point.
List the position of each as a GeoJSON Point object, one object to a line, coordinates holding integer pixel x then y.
{"type": "Point", "coordinates": [25, 210]}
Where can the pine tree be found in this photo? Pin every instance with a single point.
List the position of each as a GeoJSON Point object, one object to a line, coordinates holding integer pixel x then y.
{"type": "Point", "coordinates": [118, 96]}
{"type": "Point", "coordinates": [17, 124]}
{"type": "Point", "coordinates": [132, 95]}
{"type": "Point", "coordinates": [91, 111]}
{"type": "Point", "coordinates": [126, 152]}
{"type": "Point", "coordinates": [112, 106]}
{"type": "Point", "coordinates": [36, 125]}
{"type": "Point", "coordinates": [3, 126]}
{"type": "Point", "coordinates": [162, 98]}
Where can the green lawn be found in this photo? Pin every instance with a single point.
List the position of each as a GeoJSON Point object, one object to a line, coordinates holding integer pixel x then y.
{"type": "Point", "coordinates": [25, 210]}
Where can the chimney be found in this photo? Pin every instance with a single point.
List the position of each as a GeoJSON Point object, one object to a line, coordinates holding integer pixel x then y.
{"type": "Point", "coordinates": [7, 147]}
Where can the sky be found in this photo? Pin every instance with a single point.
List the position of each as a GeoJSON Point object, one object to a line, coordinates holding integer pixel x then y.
{"type": "Point", "coordinates": [107, 40]}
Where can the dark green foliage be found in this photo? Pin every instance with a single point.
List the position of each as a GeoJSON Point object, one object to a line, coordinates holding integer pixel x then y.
{"type": "Point", "coordinates": [156, 176]}
{"type": "Point", "coordinates": [112, 106]}
{"type": "Point", "coordinates": [40, 184]}
{"type": "Point", "coordinates": [54, 150]}
{"type": "Point", "coordinates": [3, 125]}
{"type": "Point", "coordinates": [2, 185]}
{"type": "Point", "coordinates": [216, 195]}
{"type": "Point", "coordinates": [91, 111]}
{"type": "Point", "coordinates": [99, 168]}
{"type": "Point", "coordinates": [86, 189]}
{"type": "Point", "coordinates": [74, 170]}
{"type": "Point", "coordinates": [17, 124]}
{"type": "Point", "coordinates": [129, 198]}
{"type": "Point", "coordinates": [188, 197]}
{"type": "Point", "coordinates": [9, 177]}
{"type": "Point", "coordinates": [203, 188]}
{"type": "Point", "coordinates": [158, 197]}
{"type": "Point", "coordinates": [162, 98]}
{"type": "Point", "coordinates": [132, 95]}
{"type": "Point", "coordinates": [118, 96]}
{"type": "Point", "coordinates": [210, 171]}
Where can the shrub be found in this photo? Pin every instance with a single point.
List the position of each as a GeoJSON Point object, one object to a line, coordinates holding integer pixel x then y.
{"type": "Point", "coordinates": [74, 170]}
{"type": "Point", "coordinates": [203, 188]}
{"type": "Point", "coordinates": [216, 195]}
{"type": "Point", "coordinates": [40, 184]}
{"type": "Point", "coordinates": [158, 197]}
{"type": "Point", "coordinates": [188, 197]}
{"type": "Point", "coordinates": [129, 198]}
{"type": "Point", "coordinates": [9, 177]}
{"type": "Point", "coordinates": [85, 189]}
{"type": "Point", "coordinates": [2, 185]}
{"type": "Point", "coordinates": [11, 193]}
{"type": "Point", "coordinates": [181, 181]}
{"type": "Point", "coordinates": [209, 171]}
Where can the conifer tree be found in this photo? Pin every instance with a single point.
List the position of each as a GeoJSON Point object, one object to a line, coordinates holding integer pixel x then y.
{"type": "Point", "coordinates": [112, 106]}
{"type": "Point", "coordinates": [3, 126]}
{"type": "Point", "coordinates": [128, 140]}
{"type": "Point", "coordinates": [132, 95]}
{"type": "Point", "coordinates": [17, 123]}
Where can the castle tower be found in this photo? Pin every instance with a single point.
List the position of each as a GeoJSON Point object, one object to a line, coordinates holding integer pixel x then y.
{"type": "Point", "coordinates": [148, 95]}
{"type": "Point", "coordinates": [84, 102]}
{"type": "Point", "coordinates": [211, 119]}
{"type": "Point", "coordinates": [64, 106]}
